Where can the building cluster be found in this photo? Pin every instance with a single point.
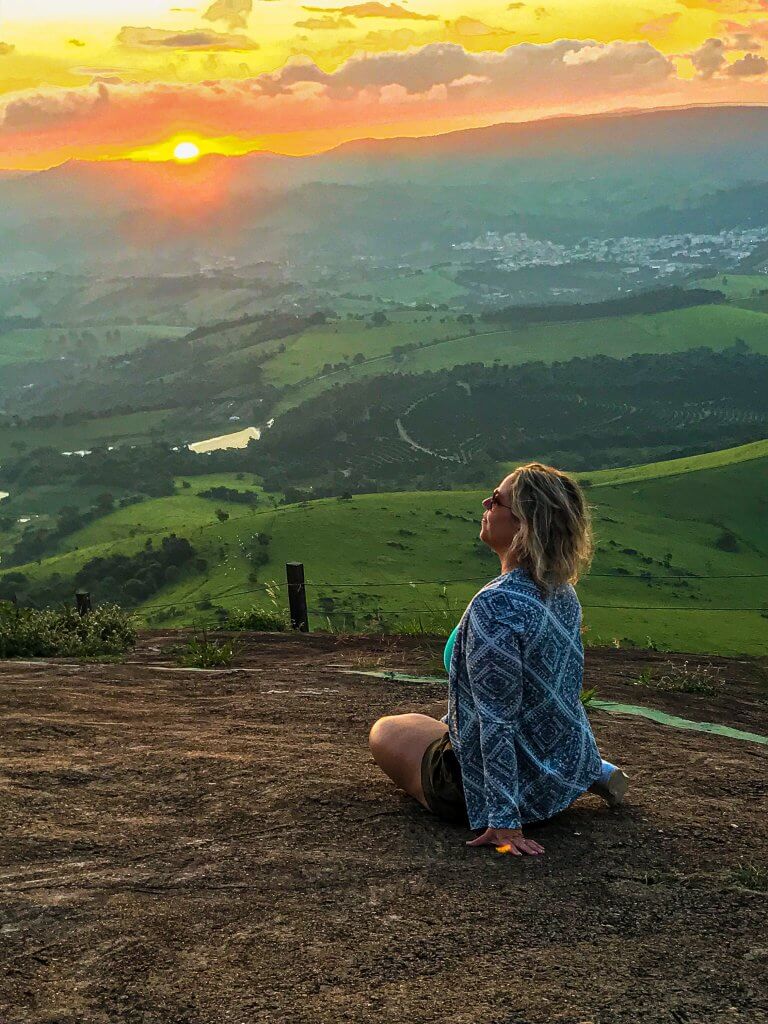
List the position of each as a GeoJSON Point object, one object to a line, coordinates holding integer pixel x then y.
{"type": "Point", "coordinates": [666, 254]}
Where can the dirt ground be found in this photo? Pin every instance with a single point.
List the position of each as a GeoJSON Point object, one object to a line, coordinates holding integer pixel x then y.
{"type": "Point", "coordinates": [186, 847]}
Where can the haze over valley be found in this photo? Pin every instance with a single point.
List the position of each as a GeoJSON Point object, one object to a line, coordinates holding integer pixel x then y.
{"type": "Point", "coordinates": [217, 350]}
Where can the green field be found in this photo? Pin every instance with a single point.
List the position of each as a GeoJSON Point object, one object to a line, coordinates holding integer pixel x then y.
{"type": "Point", "coordinates": [34, 344]}
{"type": "Point", "coordinates": [130, 428]}
{"type": "Point", "coordinates": [716, 327]}
{"type": "Point", "coordinates": [429, 286]}
{"type": "Point", "coordinates": [369, 555]}
{"type": "Point", "coordinates": [306, 353]}
{"type": "Point", "coordinates": [735, 286]}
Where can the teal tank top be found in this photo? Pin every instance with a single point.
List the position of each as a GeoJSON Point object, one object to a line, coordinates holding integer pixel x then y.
{"type": "Point", "coordinates": [449, 649]}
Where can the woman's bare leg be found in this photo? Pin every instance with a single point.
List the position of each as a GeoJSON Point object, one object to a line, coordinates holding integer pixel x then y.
{"type": "Point", "coordinates": [398, 743]}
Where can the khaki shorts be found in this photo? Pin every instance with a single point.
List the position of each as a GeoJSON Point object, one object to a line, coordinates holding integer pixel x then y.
{"type": "Point", "coordinates": [441, 781]}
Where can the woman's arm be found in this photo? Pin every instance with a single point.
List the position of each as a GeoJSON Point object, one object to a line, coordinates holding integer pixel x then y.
{"type": "Point", "coordinates": [494, 669]}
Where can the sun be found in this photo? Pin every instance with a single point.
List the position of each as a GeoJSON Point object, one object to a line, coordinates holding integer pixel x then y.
{"type": "Point", "coordinates": [185, 152]}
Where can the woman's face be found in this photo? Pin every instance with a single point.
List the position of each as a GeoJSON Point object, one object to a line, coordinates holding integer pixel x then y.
{"type": "Point", "coordinates": [499, 525]}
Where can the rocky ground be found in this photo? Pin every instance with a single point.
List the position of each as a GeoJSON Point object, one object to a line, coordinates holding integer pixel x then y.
{"type": "Point", "coordinates": [191, 847]}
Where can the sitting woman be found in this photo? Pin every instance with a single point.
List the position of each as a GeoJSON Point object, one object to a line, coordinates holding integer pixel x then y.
{"type": "Point", "coordinates": [516, 745]}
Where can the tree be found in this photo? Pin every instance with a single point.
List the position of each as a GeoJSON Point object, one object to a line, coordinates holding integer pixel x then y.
{"type": "Point", "coordinates": [221, 515]}
{"type": "Point", "coordinates": [104, 503]}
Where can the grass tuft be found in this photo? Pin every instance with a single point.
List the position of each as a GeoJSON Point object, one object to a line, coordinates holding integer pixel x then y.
{"type": "Point", "coordinates": [202, 652]}
{"type": "Point", "coordinates": [685, 678]}
{"type": "Point", "coordinates": [751, 876]}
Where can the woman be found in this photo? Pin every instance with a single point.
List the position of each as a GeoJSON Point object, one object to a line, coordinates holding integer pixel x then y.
{"type": "Point", "coordinates": [518, 746]}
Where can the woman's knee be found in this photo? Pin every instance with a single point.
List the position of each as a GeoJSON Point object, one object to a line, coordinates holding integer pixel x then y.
{"type": "Point", "coordinates": [398, 733]}
{"type": "Point", "coordinates": [383, 732]}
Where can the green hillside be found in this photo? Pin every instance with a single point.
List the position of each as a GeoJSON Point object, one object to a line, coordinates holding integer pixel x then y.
{"type": "Point", "coordinates": [130, 428]}
{"type": "Point", "coordinates": [32, 344]}
{"type": "Point", "coordinates": [735, 286]}
{"type": "Point", "coordinates": [716, 327]}
{"type": "Point", "coordinates": [694, 527]}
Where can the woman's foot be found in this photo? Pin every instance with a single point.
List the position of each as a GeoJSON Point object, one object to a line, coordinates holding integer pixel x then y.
{"type": "Point", "coordinates": [611, 786]}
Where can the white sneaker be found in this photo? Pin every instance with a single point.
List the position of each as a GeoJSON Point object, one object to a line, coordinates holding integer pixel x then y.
{"type": "Point", "coordinates": [613, 790]}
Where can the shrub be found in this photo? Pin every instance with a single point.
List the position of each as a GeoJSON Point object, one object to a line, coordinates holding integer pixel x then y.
{"type": "Point", "coordinates": [200, 652]}
{"type": "Point", "coordinates": [685, 678]}
{"type": "Point", "coordinates": [266, 620]}
{"type": "Point", "coordinates": [727, 541]}
{"type": "Point", "coordinates": [50, 632]}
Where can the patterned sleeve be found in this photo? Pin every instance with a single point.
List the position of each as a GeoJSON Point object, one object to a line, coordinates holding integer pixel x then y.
{"type": "Point", "coordinates": [444, 719]}
{"type": "Point", "coordinates": [494, 669]}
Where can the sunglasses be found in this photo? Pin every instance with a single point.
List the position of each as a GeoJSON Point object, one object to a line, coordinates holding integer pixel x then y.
{"type": "Point", "coordinates": [494, 499]}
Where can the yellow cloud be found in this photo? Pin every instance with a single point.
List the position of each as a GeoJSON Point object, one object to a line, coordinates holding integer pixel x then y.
{"type": "Point", "coordinates": [373, 9]}
{"type": "Point", "coordinates": [324, 23]}
{"type": "Point", "coordinates": [202, 39]}
{"type": "Point", "coordinates": [234, 12]}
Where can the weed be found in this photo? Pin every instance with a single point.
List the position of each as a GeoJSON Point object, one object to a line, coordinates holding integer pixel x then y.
{"type": "Point", "coordinates": [437, 619]}
{"type": "Point", "coordinates": [267, 620]}
{"type": "Point", "coordinates": [751, 876]}
{"type": "Point", "coordinates": [202, 652]}
{"type": "Point", "coordinates": [685, 678]}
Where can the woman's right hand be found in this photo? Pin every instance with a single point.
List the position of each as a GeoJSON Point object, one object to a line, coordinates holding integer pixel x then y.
{"type": "Point", "coordinates": [507, 840]}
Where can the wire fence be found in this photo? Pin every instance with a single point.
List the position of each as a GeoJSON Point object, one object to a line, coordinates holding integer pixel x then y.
{"type": "Point", "coordinates": [205, 601]}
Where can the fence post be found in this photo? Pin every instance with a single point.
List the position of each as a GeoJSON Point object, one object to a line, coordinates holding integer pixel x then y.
{"type": "Point", "coordinates": [297, 595]}
{"type": "Point", "coordinates": [83, 601]}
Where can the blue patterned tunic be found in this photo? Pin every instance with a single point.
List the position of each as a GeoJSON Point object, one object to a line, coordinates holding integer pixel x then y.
{"type": "Point", "coordinates": [520, 732]}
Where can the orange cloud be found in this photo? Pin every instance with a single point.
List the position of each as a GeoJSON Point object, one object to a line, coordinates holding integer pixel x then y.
{"type": "Point", "coordinates": [724, 6]}
{"type": "Point", "coordinates": [205, 39]}
{"type": "Point", "coordinates": [751, 36]}
{"type": "Point", "coordinates": [373, 9]}
{"type": "Point", "coordinates": [6, 48]}
{"type": "Point", "coordinates": [465, 26]}
{"type": "Point", "coordinates": [660, 25]}
{"type": "Point", "coordinates": [750, 64]}
{"type": "Point", "coordinates": [438, 81]}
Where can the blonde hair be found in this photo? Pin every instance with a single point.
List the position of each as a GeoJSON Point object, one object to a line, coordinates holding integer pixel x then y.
{"type": "Point", "coordinates": [554, 542]}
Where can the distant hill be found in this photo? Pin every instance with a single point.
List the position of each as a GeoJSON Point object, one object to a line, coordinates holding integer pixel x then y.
{"type": "Point", "coordinates": [560, 178]}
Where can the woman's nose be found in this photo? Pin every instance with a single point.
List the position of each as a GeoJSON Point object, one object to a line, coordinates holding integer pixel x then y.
{"type": "Point", "coordinates": [488, 503]}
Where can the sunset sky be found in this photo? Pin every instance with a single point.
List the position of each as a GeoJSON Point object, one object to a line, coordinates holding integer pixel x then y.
{"type": "Point", "coordinates": [105, 79]}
